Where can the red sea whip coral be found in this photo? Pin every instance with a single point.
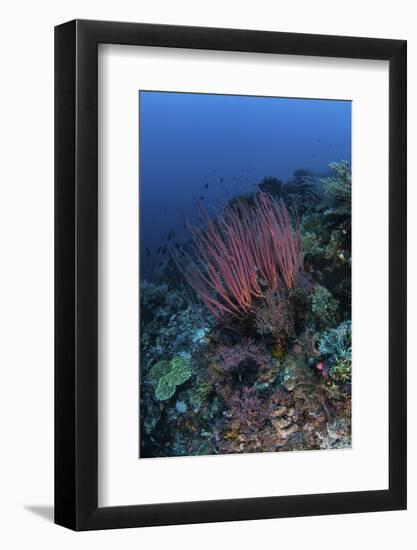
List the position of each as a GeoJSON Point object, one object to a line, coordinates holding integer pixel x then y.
{"type": "Point", "coordinates": [245, 251]}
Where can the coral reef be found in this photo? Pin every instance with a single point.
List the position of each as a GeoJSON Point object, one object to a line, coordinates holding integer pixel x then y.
{"type": "Point", "coordinates": [339, 187]}
{"type": "Point", "coordinates": [323, 306]}
{"type": "Point", "coordinates": [326, 233]}
{"type": "Point", "coordinates": [301, 192]}
{"type": "Point", "coordinates": [245, 339]}
{"type": "Point", "coordinates": [337, 343]}
{"type": "Point", "coordinates": [240, 356]}
{"type": "Point", "coordinates": [274, 317]}
{"type": "Point", "coordinates": [340, 373]}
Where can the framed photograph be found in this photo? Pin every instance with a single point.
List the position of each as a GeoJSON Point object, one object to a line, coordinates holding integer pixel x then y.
{"type": "Point", "coordinates": [230, 248]}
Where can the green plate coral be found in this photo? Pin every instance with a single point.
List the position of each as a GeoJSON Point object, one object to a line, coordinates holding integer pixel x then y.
{"type": "Point", "coordinates": [168, 375]}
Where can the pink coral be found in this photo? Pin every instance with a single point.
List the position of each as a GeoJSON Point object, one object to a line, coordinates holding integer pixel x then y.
{"type": "Point", "coordinates": [246, 250]}
{"type": "Point", "coordinates": [230, 358]}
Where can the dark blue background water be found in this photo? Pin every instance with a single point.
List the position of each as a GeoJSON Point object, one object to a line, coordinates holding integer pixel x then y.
{"type": "Point", "coordinates": [212, 147]}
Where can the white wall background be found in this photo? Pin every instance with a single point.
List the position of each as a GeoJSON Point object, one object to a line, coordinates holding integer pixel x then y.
{"type": "Point", "coordinates": [26, 274]}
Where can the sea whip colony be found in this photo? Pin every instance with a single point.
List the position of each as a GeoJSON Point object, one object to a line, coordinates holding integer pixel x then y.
{"type": "Point", "coordinates": [247, 250]}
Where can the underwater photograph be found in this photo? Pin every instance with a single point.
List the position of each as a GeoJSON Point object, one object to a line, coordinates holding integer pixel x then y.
{"type": "Point", "coordinates": [245, 336]}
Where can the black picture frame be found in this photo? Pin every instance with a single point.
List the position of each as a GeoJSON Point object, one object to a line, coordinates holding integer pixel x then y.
{"type": "Point", "coordinates": [76, 272]}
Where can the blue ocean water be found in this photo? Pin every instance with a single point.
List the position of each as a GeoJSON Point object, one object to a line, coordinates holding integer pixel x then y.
{"type": "Point", "coordinates": [209, 148]}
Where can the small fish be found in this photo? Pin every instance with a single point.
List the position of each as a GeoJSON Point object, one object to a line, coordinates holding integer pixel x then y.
{"type": "Point", "coordinates": [221, 180]}
{"type": "Point", "coordinates": [206, 186]}
{"type": "Point", "coordinates": [147, 253]}
{"type": "Point", "coordinates": [202, 198]}
{"type": "Point", "coordinates": [160, 263]}
{"type": "Point", "coordinates": [164, 250]}
{"type": "Point", "coordinates": [176, 245]}
{"type": "Point", "coordinates": [171, 234]}
{"type": "Point", "coordinates": [159, 250]}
